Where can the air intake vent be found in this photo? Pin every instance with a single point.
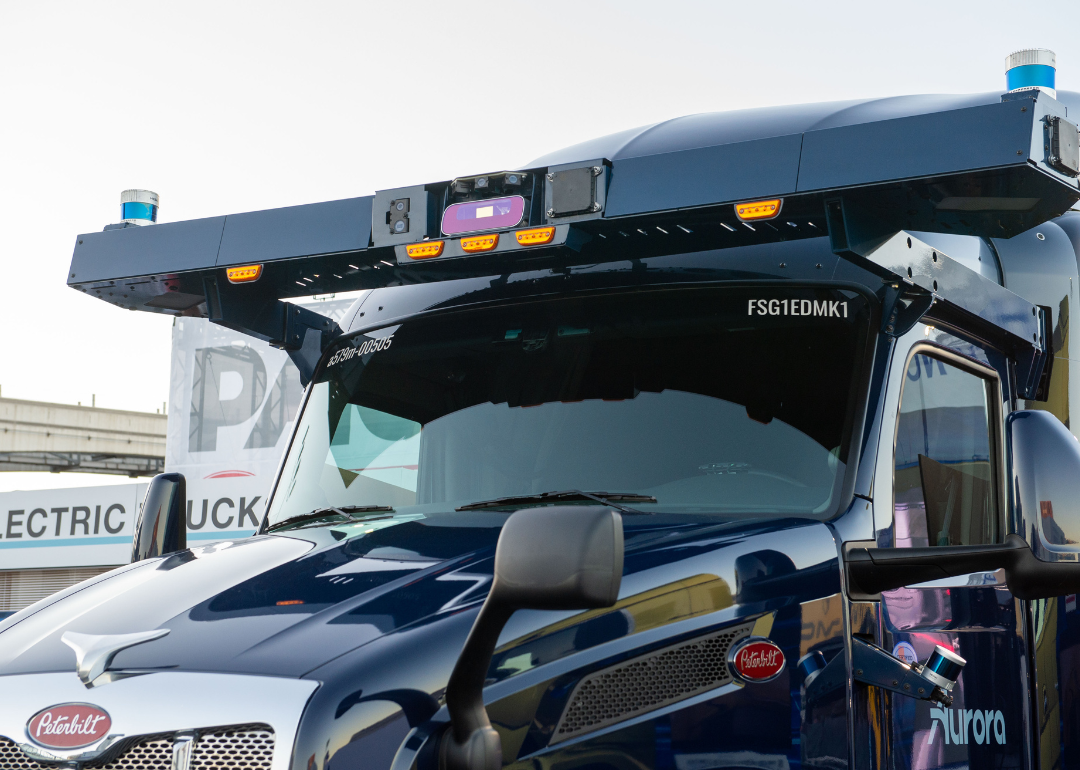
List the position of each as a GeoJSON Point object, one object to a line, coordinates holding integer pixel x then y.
{"type": "Point", "coordinates": [650, 682]}
{"type": "Point", "coordinates": [249, 747]}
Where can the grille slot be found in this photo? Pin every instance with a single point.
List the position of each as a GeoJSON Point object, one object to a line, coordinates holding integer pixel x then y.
{"type": "Point", "coordinates": [649, 682]}
{"type": "Point", "coordinates": [150, 754]}
{"type": "Point", "coordinates": [250, 747]}
{"type": "Point", "coordinates": [12, 758]}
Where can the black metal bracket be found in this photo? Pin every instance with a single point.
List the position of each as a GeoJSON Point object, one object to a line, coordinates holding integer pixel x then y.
{"type": "Point", "coordinates": [919, 277]}
{"type": "Point", "coordinates": [302, 333]}
{"type": "Point", "coordinates": [902, 306]}
{"type": "Point", "coordinates": [873, 666]}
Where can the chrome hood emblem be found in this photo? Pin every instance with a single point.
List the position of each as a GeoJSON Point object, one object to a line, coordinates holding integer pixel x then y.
{"type": "Point", "coordinates": [94, 652]}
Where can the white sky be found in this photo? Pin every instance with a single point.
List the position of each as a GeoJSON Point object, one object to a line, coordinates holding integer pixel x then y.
{"type": "Point", "coordinates": [236, 106]}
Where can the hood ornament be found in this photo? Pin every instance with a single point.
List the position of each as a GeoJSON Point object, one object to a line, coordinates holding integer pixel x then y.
{"type": "Point", "coordinates": [94, 652]}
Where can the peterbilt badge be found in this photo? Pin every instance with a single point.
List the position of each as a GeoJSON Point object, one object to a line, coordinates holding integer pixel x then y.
{"type": "Point", "coordinates": [756, 659]}
{"type": "Point", "coordinates": [68, 726]}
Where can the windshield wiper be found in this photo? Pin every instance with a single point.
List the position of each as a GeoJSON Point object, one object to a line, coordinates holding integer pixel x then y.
{"type": "Point", "coordinates": [607, 498]}
{"type": "Point", "coordinates": [322, 513]}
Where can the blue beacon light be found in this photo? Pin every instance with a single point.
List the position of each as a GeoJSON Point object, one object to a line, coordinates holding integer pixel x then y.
{"type": "Point", "coordinates": [1032, 69]}
{"type": "Point", "coordinates": [138, 207]}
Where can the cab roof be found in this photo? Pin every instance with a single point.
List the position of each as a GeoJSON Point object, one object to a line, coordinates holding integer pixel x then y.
{"type": "Point", "coordinates": [707, 129]}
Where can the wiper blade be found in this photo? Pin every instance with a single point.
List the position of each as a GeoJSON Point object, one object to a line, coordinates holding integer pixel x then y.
{"type": "Point", "coordinates": [607, 498]}
{"type": "Point", "coordinates": [322, 513]}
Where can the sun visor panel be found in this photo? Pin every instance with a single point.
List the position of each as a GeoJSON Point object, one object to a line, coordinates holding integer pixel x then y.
{"type": "Point", "coordinates": [989, 136]}
{"type": "Point", "coordinates": [704, 176]}
{"type": "Point", "coordinates": [143, 251]}
{"type": "Point", "coordinates": [296, 231]}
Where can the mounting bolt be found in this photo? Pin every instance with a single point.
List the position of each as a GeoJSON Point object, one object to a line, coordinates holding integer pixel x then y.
{"type": "Point", "coordinates": [551, 212]}
{"type": "Point", "coordinates": [596, 171]}
{"type": "Point", "coordinates": [895, 682]}
{"type": "Point", "coordinates": [550, 176]}
{"type": "Point", "coordinates": [595, 207]}
{"type": "Point", "coordinates": [858, 672]}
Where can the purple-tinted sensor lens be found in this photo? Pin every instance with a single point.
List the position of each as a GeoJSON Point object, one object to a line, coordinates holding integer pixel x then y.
{"type": "Point", "coordinates": [479, 216]}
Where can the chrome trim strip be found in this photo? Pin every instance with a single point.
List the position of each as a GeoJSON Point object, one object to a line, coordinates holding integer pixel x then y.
{"type": "Point", "coordinates": [164, 702]}
{"type": "Point", "coordinates": [183, 743]}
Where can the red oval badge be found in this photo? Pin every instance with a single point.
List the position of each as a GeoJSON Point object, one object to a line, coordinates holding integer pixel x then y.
{"type": "Point", "coordinates": [69, 726]}
{"type": "Point", "coordinates": [756, 660]}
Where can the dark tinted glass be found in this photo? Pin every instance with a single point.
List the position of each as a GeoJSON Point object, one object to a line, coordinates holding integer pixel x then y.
{"type": "Point", "coordinates": [709, 400]}
{"type": "Point", "coordinates": [944, 472]}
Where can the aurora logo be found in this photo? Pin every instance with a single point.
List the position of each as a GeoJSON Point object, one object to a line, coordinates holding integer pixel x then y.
{"type": "Point", "coordinates": [959, 725]}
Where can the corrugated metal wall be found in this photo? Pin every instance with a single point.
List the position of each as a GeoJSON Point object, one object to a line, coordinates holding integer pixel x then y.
{"type": "Point", "coordinates": [21, 588]}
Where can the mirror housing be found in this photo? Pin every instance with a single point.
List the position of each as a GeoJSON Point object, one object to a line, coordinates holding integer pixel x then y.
{"type": "Point", "coordinates": [1044, 482]}
{"type": "Point", "coordinates": [162, 525]}
{"type": "Point", "coordinates": [552, 558]}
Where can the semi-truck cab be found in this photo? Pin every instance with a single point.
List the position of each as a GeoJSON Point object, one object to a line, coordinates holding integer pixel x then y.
{"type": "Point", "coordinates": [742, 440]}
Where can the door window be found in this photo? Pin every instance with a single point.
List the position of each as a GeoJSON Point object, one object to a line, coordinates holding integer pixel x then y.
{"type": "Point", "coordinates": [944, 476]}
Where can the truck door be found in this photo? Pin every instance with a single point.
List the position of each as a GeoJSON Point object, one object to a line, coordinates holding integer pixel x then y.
{"type": "Point", "coordinates": [947, 489]}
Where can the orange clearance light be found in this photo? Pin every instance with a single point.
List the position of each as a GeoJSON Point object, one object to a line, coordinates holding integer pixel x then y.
{"type": "Point", "coordinates": [244, 274]}
{"type": "Point", "coordinates": [425, 250]}
{"type": "Point", "coordinates": [748, 212]}
{"type": "Point", "coordinates": [538, 236]}
{"type": "Point", "coordinates": [289, 602]}
{"type": "Point", "coordinates": [479, 243]}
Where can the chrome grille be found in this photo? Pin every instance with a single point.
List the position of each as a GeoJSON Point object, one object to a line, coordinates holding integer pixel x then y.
{"type": "Point", "coordinates": [148, 754]}
{"type": "Point", "coordinates": [649, 682]}
{"type": "Point", "coordinates": [250, 747]}
{"type": "Point", "coordinates": [12, 758]}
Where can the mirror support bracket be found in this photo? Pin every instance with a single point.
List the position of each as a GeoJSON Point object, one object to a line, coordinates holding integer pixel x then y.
{"type": "Point", "coordinates": [471, 742]}
{"type": "Point", "coordinates": [549, 558]}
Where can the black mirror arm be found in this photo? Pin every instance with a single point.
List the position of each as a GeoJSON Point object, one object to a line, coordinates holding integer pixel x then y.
{"type": "Point", "coordinates": [873, 570]}
{"type": "Point", "coordinates": [472, 743]}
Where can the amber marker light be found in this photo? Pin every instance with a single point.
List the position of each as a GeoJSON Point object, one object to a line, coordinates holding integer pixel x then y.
{"type": "Point", "coordinates": [289, 602]}
{"type": "Point", "coordinates": [426, 250]}
{"type": "Point", "coordinates": [476, 243]}
{"type": "Point", "coordinates": [753, 210]}
{"type": "Point", "coordinates": [244, 274]}
{"type": "Point", "coordinates": [537, 236]}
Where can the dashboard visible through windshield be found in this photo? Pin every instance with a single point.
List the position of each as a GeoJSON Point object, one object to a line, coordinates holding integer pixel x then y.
{"type": "Point", "coordinates": [723, 401]}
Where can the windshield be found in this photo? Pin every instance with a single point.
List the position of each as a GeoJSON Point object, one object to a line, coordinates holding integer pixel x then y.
{"type": "Point", "coordinates": [732, 400]}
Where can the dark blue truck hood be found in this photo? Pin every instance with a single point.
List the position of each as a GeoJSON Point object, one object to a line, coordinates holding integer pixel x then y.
{"type": "Point", "coordinates": [289, 604]}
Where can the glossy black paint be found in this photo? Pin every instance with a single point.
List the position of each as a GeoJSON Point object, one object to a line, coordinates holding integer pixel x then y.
{"type": "Point", "coordinates": [678, 583]}
{"type": "Point", "coordinates": [385, 613]}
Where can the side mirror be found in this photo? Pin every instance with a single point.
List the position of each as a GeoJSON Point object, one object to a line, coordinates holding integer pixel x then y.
{"type": "Point", "coordinates": [162, 525]}
{"type": "Point", "coordinates": [560, 558]}
{"type": "Point", "coordinates": [1045, 494]}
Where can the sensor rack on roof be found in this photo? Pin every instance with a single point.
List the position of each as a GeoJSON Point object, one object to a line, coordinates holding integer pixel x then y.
{"type": "Point", "coordinates": [988, 165]}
